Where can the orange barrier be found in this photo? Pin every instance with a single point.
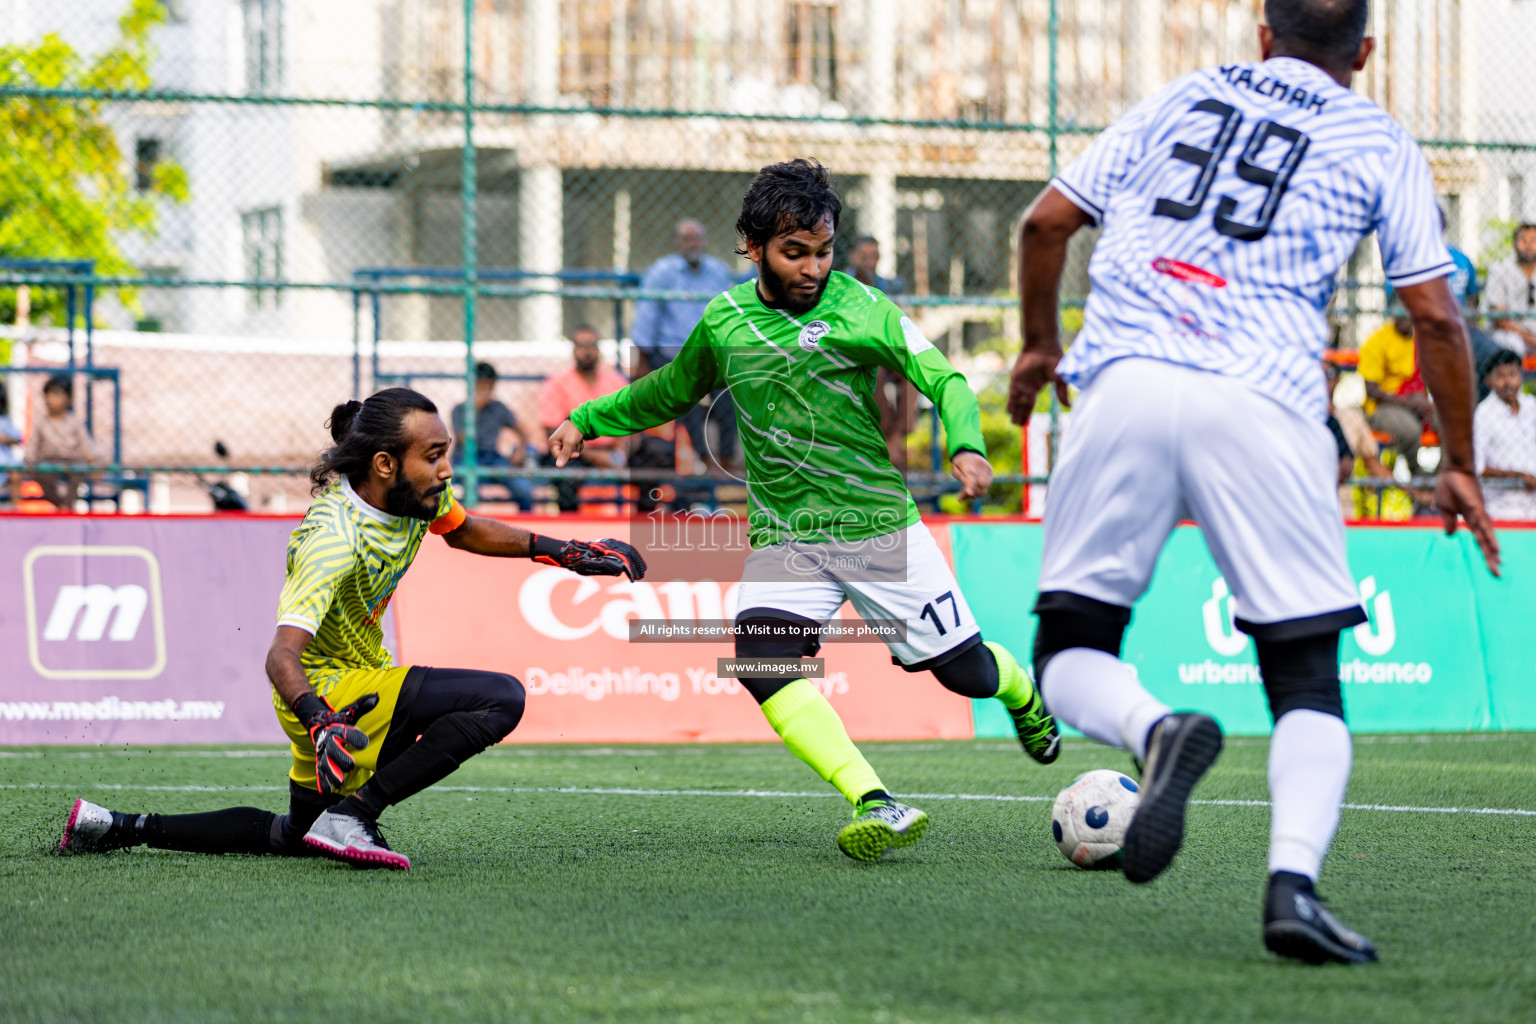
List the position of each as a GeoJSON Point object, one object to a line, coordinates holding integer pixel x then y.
{"type": "Point", "coordinates": [566, 638]}
{"type": "Point", "coordinates": [1428, 439]}
{"type": "Point", "coordinates": [1348, 359]}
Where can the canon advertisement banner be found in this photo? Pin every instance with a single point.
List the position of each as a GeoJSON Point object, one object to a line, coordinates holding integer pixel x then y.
{"type": "Point", "coordinates": [570, 639]}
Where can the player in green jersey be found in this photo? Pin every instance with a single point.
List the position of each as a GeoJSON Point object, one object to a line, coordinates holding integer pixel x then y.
{"type": "Point", "coordinates": [829, 517]}
{"type": "Point", "coordinates": [364, 733]}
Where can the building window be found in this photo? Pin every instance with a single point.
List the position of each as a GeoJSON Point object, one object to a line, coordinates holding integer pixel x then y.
{"type": "Point", "coordinates": [263, 45]}
{"type": "Point", "coordinates": [146, 156]}
{"type": "Point", "coordinates": [261, 242]}
{"type": "Point", "coordinates": [812, 45]}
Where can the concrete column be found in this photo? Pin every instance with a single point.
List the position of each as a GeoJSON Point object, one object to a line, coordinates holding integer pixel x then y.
{"type": "Point", "coordinates": [542, 36]}
{"type": "Point", "coordinates": [1470, 211]}
{"type": "Point", "coordinates": [541, 215]}
{"type": "Point", "coordinates": [1143, 49]}
{"type": "Point", "coordinates": [878, 218]}
{"type": "Point", "coordinates": [880, 24]}
{"type": "Point", "coordinates": [540, 246]}
{"type": "Point", "coordinates": [621, 229]}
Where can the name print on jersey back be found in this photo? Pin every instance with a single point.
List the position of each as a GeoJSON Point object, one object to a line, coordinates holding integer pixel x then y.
{"type": "Point", "coordinates": [1246, 75]}
{"type": "Point", "coordinates": [1229, 202]}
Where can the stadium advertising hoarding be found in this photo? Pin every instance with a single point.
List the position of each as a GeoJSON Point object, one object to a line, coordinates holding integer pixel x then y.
{"type": "Point", "coordinates": [1445, 648]}
{"type": "Point", "coordinates": [155, 630]}
{"type": "Point", "coordinates": [137, 629]}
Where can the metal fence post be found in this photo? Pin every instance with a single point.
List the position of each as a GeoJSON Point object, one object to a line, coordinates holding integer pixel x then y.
{"type": "Point", "coordinates": [1052, 129]}
{"type": "Point", "coordinates": [471, 282]}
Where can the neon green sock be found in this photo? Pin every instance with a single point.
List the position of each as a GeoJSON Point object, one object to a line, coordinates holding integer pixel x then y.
{"type": "Point", "coordinates": [1014, 686]}
{"type": "Point", "coordinates": [812, 731]}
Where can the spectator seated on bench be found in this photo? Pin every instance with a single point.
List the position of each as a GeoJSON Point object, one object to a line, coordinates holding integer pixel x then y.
{"type": "Point", "coordinates": [1504, 439]}
{"type": "Point", "coordinates": [59, 435]}
{"type": "Point", "coordinates": [493, 421]}
{"type": "Point", "coordinates": [1396, 400]}
{"type": "Point", "coordinates": [10, 453]}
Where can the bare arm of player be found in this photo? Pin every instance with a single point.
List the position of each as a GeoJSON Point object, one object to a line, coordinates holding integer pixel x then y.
{"type": "Point", "coordinates": [1445, 361]}
{"type": "Point", "coordinates": [482, 536]}
{"type": "Point", "coordinates": [1049, 225]}
{"type": "Point", "coordinates": [284, 669]}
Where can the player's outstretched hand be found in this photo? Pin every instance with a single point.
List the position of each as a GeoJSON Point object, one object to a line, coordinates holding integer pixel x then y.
{"type": "Point", "coordinates": [605, 557]}
{"type": "Point", "coordinates": [335, 735]}
{"type": "Point", "coordinates": [566, 443]}
{"type": "Point", "coordinates": [974, 473]}
{"type": "Point", "coordinates": [1033, 371]}
{"type": "Point", "coordinates": [1457, 493]}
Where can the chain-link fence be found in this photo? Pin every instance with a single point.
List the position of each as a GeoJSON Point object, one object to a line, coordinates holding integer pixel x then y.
{"type": "Point", "coordinates": [219, 218]}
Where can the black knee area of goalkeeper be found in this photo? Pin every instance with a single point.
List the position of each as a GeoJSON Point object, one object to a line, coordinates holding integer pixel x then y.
{"type": "Point", "coordinates": [505, 699]}
{"type": "Point", "coordinates": [453, 715]}
{"type": "Point", "coordinates": [972, 672]}
{"type": "Point", "coordinates": [430, 694]}
{"type": "Point", "coordinates": [1301, 674]}
{"type": "Point", "coordinates": [1070, 620]}
{"type": "Point", "coordinates": [769, 633]}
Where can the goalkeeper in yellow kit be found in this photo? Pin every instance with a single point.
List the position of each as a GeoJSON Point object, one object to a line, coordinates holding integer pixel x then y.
{"type": "Point", "coordinates": [365, 734]}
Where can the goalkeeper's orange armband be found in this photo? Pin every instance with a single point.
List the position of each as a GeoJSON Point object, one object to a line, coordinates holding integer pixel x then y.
{"type": "Point", "coordinates": [450, 520]}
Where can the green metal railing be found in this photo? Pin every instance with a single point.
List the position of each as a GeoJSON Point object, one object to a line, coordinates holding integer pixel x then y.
{"type": "Point", "coordinates": [473, 291]}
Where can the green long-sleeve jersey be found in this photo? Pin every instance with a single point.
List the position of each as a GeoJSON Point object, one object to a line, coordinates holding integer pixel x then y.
{"type": "Point", "coordinates": [817, 466]}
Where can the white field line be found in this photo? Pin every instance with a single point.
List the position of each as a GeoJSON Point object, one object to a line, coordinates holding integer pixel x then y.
{"type": "Point", "coordinates": [512, 750]}
{"type": "Point", "coordinates": [749, 793]}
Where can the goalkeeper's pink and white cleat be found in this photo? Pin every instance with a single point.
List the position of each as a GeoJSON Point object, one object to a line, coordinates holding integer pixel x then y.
{"type": "Point", "coordinates": [354, 840]}
{"type": "Point", "coordinates": [88, 829]}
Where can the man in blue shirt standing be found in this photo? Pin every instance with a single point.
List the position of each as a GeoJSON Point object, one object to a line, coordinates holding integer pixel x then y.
{"type": "Point", "coordinates": [662, 325]}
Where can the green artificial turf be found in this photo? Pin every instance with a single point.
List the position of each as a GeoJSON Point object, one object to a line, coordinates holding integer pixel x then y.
{"type": "Point", "coordinates": [525, 903]}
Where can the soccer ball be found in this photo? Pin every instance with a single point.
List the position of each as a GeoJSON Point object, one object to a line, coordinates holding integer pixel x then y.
{"type": "Point", "coordinates": [1090, 817]}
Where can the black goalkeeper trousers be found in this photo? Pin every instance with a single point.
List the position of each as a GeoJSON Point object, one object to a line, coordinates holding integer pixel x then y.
{"type": "Point", "coordinates": [443, 717]}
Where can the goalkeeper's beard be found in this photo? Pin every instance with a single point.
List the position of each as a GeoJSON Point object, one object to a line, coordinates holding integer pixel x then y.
{"type": "Point", "coordinates": [402, 499]}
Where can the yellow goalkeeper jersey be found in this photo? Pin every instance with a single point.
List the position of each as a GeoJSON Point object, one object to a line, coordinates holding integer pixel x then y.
{"type": "Point", "coordinates": [344, 562]}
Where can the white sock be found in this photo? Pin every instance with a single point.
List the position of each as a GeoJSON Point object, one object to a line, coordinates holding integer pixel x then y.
{"type": "Point", "coordinates": [1098, 695]}
{"type": "Point", "coordinates": [1309, 759]}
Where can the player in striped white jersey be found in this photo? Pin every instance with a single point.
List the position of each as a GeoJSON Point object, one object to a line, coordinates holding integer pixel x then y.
{"type": "Point", "coordinates": [1229, 201]}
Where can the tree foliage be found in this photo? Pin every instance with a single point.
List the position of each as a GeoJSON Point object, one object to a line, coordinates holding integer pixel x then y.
{"type": "Point", "coordinates": [66, 186]}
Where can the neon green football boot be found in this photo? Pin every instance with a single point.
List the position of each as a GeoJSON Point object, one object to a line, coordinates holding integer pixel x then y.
{"type": "Point", "coordinates": [880, 825]}
{"type": "Point", "coordinates": [1036, 729]}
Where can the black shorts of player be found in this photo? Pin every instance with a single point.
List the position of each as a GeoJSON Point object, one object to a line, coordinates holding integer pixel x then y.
{"type": "Point", "coordinates": [427, 695]}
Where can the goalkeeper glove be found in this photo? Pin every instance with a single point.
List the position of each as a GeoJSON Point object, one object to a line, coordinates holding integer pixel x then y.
{"type": "Point", "coordinates": [333, 732]}
{"type": "Point", "coordinates": [606, 557]}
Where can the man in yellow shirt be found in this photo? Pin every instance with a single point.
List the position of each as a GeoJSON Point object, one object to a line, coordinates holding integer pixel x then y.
{"type": "Point", "coordinates": [365, 734]}
{"type": "Point", "coordinates": [1396, 400]}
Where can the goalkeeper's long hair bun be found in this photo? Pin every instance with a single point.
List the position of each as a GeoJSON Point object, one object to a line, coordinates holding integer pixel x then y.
{"type": "Point", "coordinates": [363, 429]}
{"type": "Point", "coordinates": [342, 417]}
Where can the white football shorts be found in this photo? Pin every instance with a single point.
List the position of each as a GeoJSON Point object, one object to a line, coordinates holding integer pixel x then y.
{"type": "Point", "coordinates": [900, 577]}
{"type": "Point", "coordinates": [1151, 443]}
